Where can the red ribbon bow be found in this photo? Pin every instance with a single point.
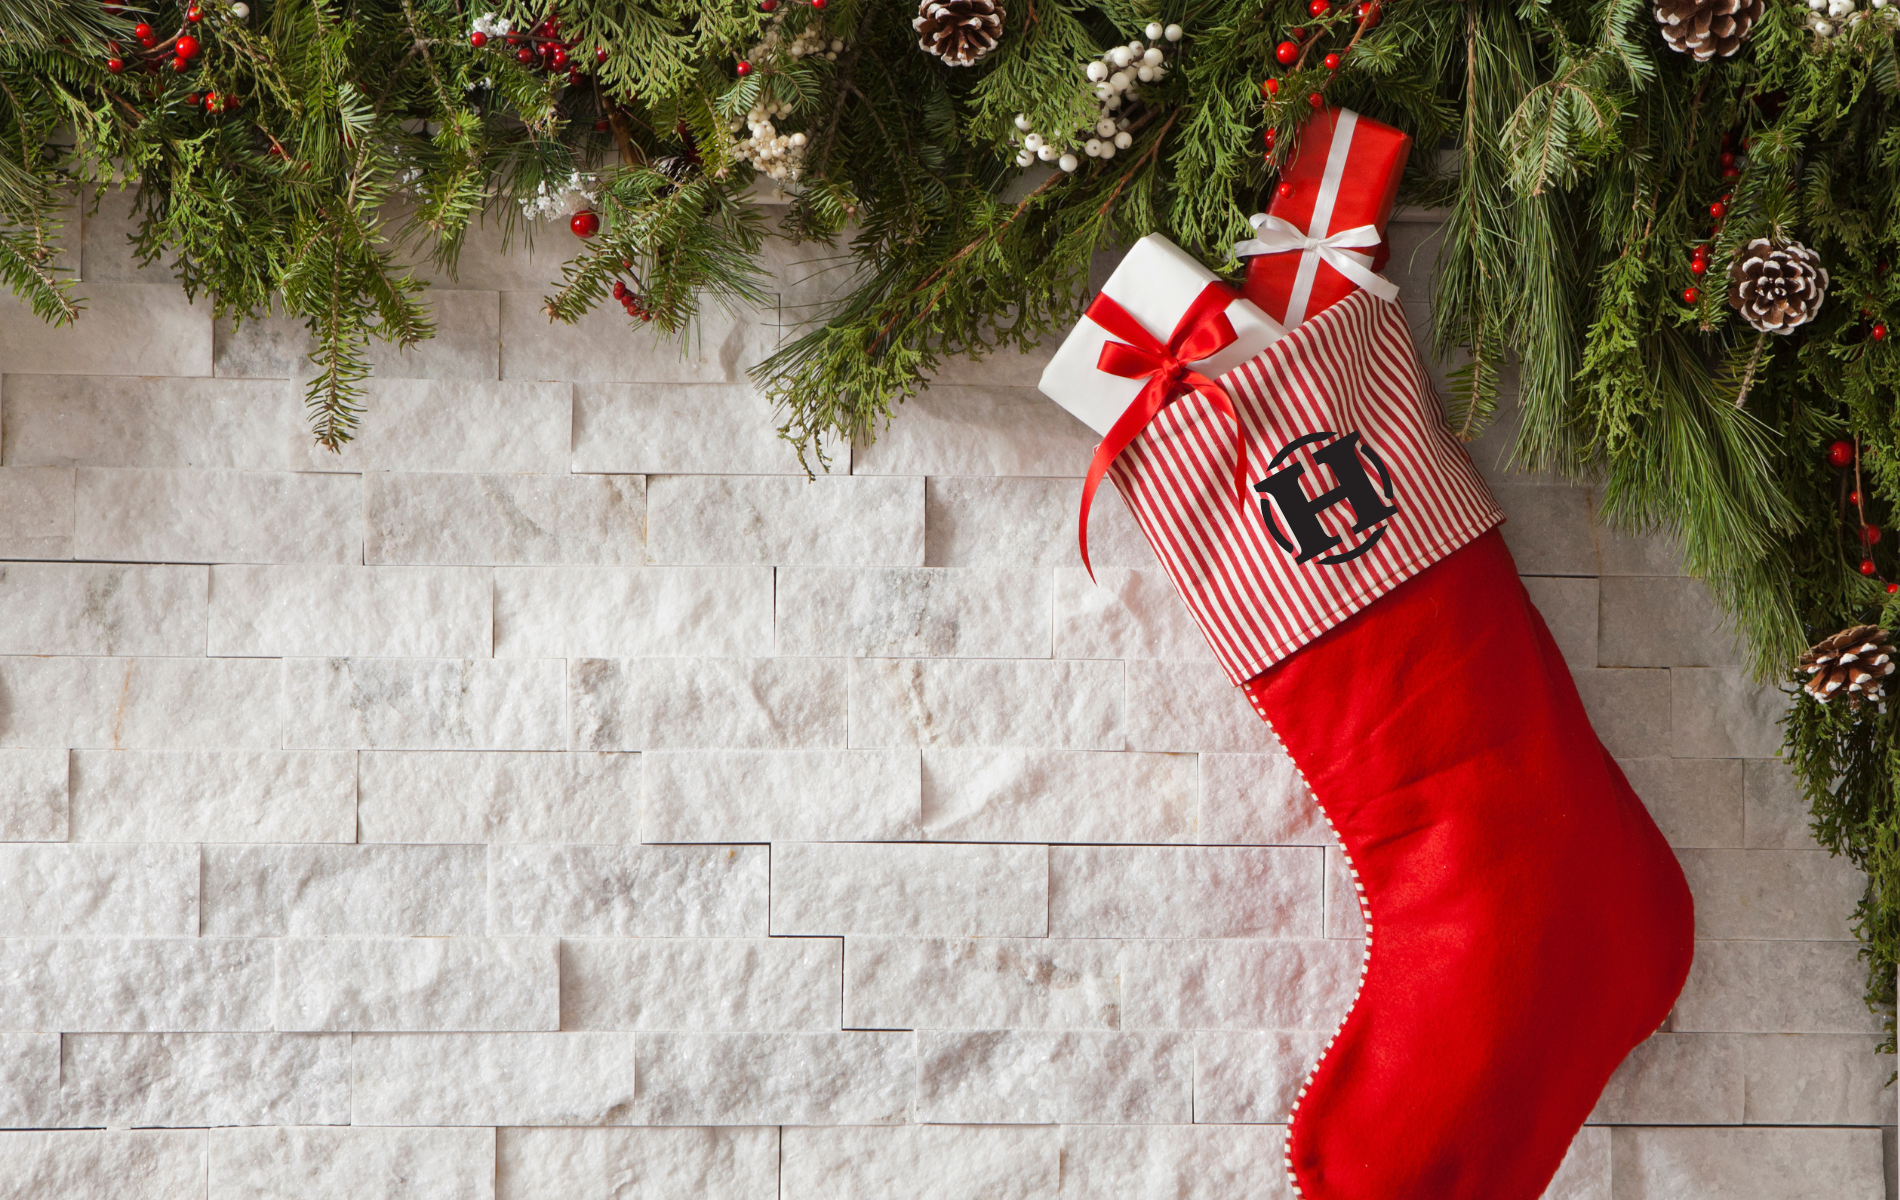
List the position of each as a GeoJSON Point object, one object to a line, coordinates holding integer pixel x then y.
{"type": "Point", "coordinates": [1203, 332]}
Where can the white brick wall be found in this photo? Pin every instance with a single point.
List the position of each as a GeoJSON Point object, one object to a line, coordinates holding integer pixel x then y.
{"type": "Point", "coordinates": [554, 795]}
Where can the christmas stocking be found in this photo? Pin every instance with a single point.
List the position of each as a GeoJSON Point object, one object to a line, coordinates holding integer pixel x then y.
{"type": "Point", "coordinates": [1527, 925]}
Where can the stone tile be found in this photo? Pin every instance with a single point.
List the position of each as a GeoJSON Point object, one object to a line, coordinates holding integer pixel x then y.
{"type": "Point", "coordinates": [706, 985]}
{"type": "Point", "coordinates": [1630, 710]}
{"type": "Point", "coordinates": [780, 795]}
{"type": "Point", "coordinates": [492, 1079]}
{"type": "Point", "coordinates": [1124, 613]}
{"type": "Point", "coordinates": [124, 421]}
{"type": "Point", "coordinates": [1174, 1162]}
{"type": "Point", "coordinates": [36, 512]}
{"type": "Point", "coordinates": [107, 251]}
{"type": "Point", "coordinates": [185, 1079]}
{"type": "Point", "coordinates": [106, 985]}
{"type": "Point", "coordinates": [1720, 712]}
{"type": "Point", "coordinates": [1191, 706]}
{"type": "Point", "coordinates": [425, 704]}
{"type": "Point", "coordinates": [1251, 1078]}
{"type": "Point", "coordinates": [1676, 1079]}
{"type": "Point", "coordinates": [1786, 1164]}
{"type": "Point", "coordinates": [1778, 817]}
{"type": "Point", "coordinates": [832, 520]}
{"type": "Point", "coordinates": [1548, 528]}
{"type": "Point", "coordinates": [1239, 985]}
{"type": "Point", "coordinates": [369, 612]}
{"type": "Point", "coordinates": [627, 891]}
{"type": "Point", "coordinates": [259, 347]}
{"type": "Point", "coordinates": [1771, 894]}
{"type": "Point", "coordinates": [1258, 800]}
{"type": "Point", "coordinates": [213, 796]}
{"type": "Point", "coordinates": [1014, 1077]}
{"type": "Point", "coordinates": [601, 348]}
{"type": "Point", "coordinates": [1027, 523]}
{"type": "Point", "coordinates": [1663, 622]}
{"type": "Point", "coordinates": [1569, 607]}
{"type": "Point", "coordinates": [364, 1164]}
{"type": "Point", "coordinates": [706, 703]}
{"type": "Point", "coordinates": [33, 805]}
{"type": "Point", "coordinates": [923, 612]}
{"type": "Point", "coordinates": [505, 520]}
{"type": "Point", "coordinates": [650, 612]}
{"type": "Point", "coordinates": [924, 702]}
{"type": "Point", "coordinates": [980, 431]}
{"type": "Point", "coordinates": [854, 1078]}
{"type": "Point", "coordinates": [50, 890]}
{"type": "Point", "coordinates": [93, 608]}
{"type": "Point", "coordinates": [1345, 918]}
{"type": "Point", "coordinates": [921, 1162]}
{"type": "Point", "coordinates": [448, 422]}
{"type": "Point", "coordinates": [1635, 553]}
{"type": "Point", "coordinates": [1184, 893]}
{"type": "Point", "coordinates": [342, 891]}
{"type": "Point", "coordinates": [997, 795]}
{"type": "Point", "coordinates": [499, 253]}
{"type": "Point", "coordinates": [1775, 987]}
{"type": "Point", "coordinates": [126, 1164]}
{"type": "Point", "coordinates": [1584, 1173]}
{"type": "Point", "coordinates": [489, 796]}
{"type": "Point", "coordinates": [661, 1164]}
{"type": "Point", "coordinates": [466, 345]}
{"type": "Point", "coordinates": [153, 329]}
{"type": "Point", "coordinates": [1816, 1079]}
{"type": "Point", "coordinates": [919, 891]}
{"type": "Point", "coordinates": [1695, 801]}
{"type": "Point", "coordinates": [138, 703]}
{"type": "Point", "coordinates": [418, 984]}
{"type": "Point", "coordinates": [217, 516]}
{"type": "Point", "coordinates": [982, 983]}
{"type": "Point", "coordinates": [29, 1085]}
{"type": "Point", "coordinates": [680, 429]}
{"type": "Point", "coordinates": [1002, 368]}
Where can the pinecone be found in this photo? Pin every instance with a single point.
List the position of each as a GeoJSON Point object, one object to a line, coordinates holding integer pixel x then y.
{"type": "Point", "coordinates": [961, 31]}
{"type": "Point", "coordinates": [1777, 288]}
{"type": "Point", "coordinates": [1707, 28]}
{"type": "Point", "coordinates": [1854, 663]}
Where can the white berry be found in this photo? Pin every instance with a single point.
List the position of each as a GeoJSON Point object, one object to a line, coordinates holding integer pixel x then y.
{"type": "Point", "coordinates": [1106, 94]}
{"type": "Point", "coordinates": [1119, 56]}
{"type": "Point", "coordinates": [1123, 140]}
{"type": "Point", "coordinates": [1022, 123]}
{"type": "Point", "coordinates": [1024, 158]}
{"type": "Point", "coordinates": [1068, 162]}
{"type": "Point", "coordinates": [1119, 81]}
{"type": "Point", "coordinates": [1152, 57]}
{"type": "Point", "coordinates": [1172, 33]}
{"type": "Point", "coordinates": [1153, 31]}
{"type": "Point", "coordinates": [1047, 153]}
{"type": "Point", "coordinates": [1823, 28]}
{"type": "Point", "coordinates": [1135, 47]}
{"type": "Point", "coordinates": [1105, 127]}
{"type": "Point", "coordinates": [1145, 73]}
{"type": "Point", "coordinates": [1092, 147]}
{"type": "Point", "coordinates": [240, 11]}
{"type": "Point", "coordinates": [1111, 102]}
{"type": "Point", "coordinates": [1839, 8]}
{"type": "Point", "coordinates": [1098, 71]}
{"type": "Point", "coordinates": [1033, 142]}
{"type": "Point", "coordinates": [1108, 151]}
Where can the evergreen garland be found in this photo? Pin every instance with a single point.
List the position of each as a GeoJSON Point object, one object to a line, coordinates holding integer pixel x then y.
{"type": "Point", "coordinates": [1575, 155]}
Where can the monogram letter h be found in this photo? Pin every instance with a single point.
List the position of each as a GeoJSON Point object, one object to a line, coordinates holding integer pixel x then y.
{"type": "Point", "coordinates": [1301, 515]}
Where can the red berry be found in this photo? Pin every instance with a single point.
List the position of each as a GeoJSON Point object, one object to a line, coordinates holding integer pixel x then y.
{"type": "Point", "coordinates": [1271, 87]}
{"type": "Point", "coordinates": [1284, 191]}
{"type": "Point", "coordinates": [620, 289]}
{"type": "Point", "coordinates": [600, 55]}
{"type": "Point", "coordinates": [1286, 52]}
{"type": "Point", "coordinates": [211, 102]}
{"type": "Point", "coordinates": [1269, 136]}
{"type": "Point", "coordinates": [742, 68]}
{"type": "Point", "coordinates": [1867, 566]}
{"type": "Point", "coordinates": [194, 14]}
{"type": "Point", "coordinates": [1369, 13]}
{"type": "Point", "coordinates": [1718, 210]}
{"type": "Point", "coordinates": [1332, 62]}
{"type": "Point", "coordinates": [148, 41]}
{"type": "Point", "coordinates": [1690, 295]}
{"type": "Point", "coordinates": [115, 65]}
{"type": "Point", "coordinates": [558, 58]}
{"type": "Point", "coordinates": [192, 99]}
{"type": "Point", "coordinates": [1316, 100]}
{"type": "Point", "coordinates": [1728, 158]}
{"type": "Point", "coordinates": [180, 65]}
{"type": "Point", "coordinates": [524, 56]}
{"type": "Point", "coordinates": [478, 39]}
{"type": "Point", "coordinates": [584, 223]}
{"type": "Point", "coordinates": [1880, 333]}
{"type": "Point", "coordinates": [818, 3]}
{"type": "Point", "coordinates": [1699, 267]}
{"type": "Point", "coordinates": [1870, 534]}
{"type": "Point", "coordinates": [1892, 588]}
{"type": "Point", "coordinates": [1318, 8]}
{"type": "Point", "coordinates": [768, 5]}
{"type": "Point", "coordinates": [1853, 498]}
{"type": "Point", "coordinates": [1731, 172]}
{"type": "Point", "coordinates": [141, 31]}
{"type": "Point", "coordinates": [1296, 33]}
{"type": "Point", "coordinates": [600, 126]}
{"type": "Point", "coordinates": [1840, 454]}
{"type": "Point", "coordinates": [186, 47]}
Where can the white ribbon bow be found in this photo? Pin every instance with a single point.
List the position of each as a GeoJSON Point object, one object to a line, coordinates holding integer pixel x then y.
{"type": "Point", "coordinates": [1277, 236]}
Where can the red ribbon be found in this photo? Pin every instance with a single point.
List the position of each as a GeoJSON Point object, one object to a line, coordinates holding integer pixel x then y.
{"type": "Point", "coordinates": [1203, 332]}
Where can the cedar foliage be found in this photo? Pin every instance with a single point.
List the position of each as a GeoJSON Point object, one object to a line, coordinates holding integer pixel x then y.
{"type": "Point", "coordinates": [1574, 155]}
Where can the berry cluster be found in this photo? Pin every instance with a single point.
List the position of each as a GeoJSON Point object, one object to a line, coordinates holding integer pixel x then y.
{"type": "Point", "coordinates": [1844, 456]}
{"type": "Point", "coordinates": [631, 301]}
{"type": "Point", "coordinates": [1301, 42]}
{"type": "Point", "coordinates": [1732, 150]}
{"type": "Point", "coordinates": [1117, 76]}
{"type": "Point", "coordinates": [153, 52]}
{"type": "Point", "coordinates": [811, 41]}
{"type": "Point", "coordinates": [540, 48]}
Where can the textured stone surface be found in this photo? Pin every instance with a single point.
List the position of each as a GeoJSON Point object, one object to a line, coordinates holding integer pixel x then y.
{"type": "Point", "coordinates": [371, 612]}
{"type": "Point", "coordinates": [700, 984]}
{"type": "Point", "coordinates": [1191, 706]}
{"type": "Point", "coordinates": [1006, 1077]}
{"type": "Point", "coordinates": [106, 985]}
{"type": "Point", "coordinates": [650, 1164]}
{"type": "Point", "coordinates": [139, 703]}
{"type": "Point", "coordinates": [1193, 892]}
{"type": "Point", "coordinates": [1027, 523]}
{"type": "Point", "coordinates": [1775, 987]}
{"type": "Point", "coordinates": [692, 704]}
{"type": "Point", "coordinates": [1663, 622]}
{"type": "Point", "coordinates": [363, 1164]}
{"type": "Point", "coordinates": [679, 429]}
{"type": "Point", "coordinates": [33, 797]}
{"type": "Point", "coordinates": [1570, 608]}
{"type": "Point", "coordinates": [93, 608]}
{"type": "Point", "coordinates": [599, 348]}
{"type": "Point", "coordinates": [787, 521]}
{"type": "Point", "coordinates": [127, 1164]}
{"type": "Point", "coordinates": [980, 431]}
{"type": "Point", "coordinates": [627, 891]}
{"type": "Point", "coordinates": [492, 1079]}
{"type": "Point", "coordinates": [1250, 1078]}
{"type": "Point", "coordinates": [121, 421]}
{"type": "Point", "coordinates": [213, 796]}
{"type": "Point", "coordinates": [924, 702]}
{"type": "Point", "coordinates": [926, 612]}
{"type": "Point", "coordinates": [185, 1079]}
{"type": "Point", "coordinates": [420, 984]}
{"type": "Point", "coordinates": [1783, 1164]}
{"type": "Point", "coordinates": [582, 612]}
{"type": "Point", "coordinates": [29, 1081]}
{"type": "Point", "coordinates": [1548, 529]}
{"type": "Point", "coordinates": [351, 891]}
{"type": "Point", "coordinates": [1695, 801]}
{"type": "Point", "coordinates": [1777, 814]}
{"type": "Point", "coordinates": [983, 795]}
{"type": "Point", "coordinates": [439, 424]}
{"type": "Point", "coordinates": [147, 515]}
{"type": "Point", "coordinates": [777, 1078]}
{"type": "Point", "coordinates": [496, 796]}
{"type": "Point", "coordinates": [1798, 894]}
{"type": "Point", "coordinates": [1677, 1079]}
{"type": "Point", "coordinates": [424, 704]}
{"type": "Point", "coordinates": [1174, 1162]}
{"type": "Point", "coordinates": [98, 891]}
{"type": "Point", "coordinates": [1630, 710]}
{"type": "Point", "coordinates": [1260, 800]}
{"type": "Point", "coordinates": [982, 983]}
{"type": "Point", "coordinates": [921, 1162]}
{"type": "Point", "coordinates": [1124, 613]}
{"type": "Point", "coordinates": [504, 520]}
{"type": "Point", "coordinates": [152, 328]}
{"type": "Point", "coordinates": [1584, 1173]}
{"type": "Point", "coordinates": [36, 512]}
{"type": "Point", "coordinates": [967, 891]}
{"type": "Point", "coordinates": [1808, 1080]}
{"type": "Point", "coordinates": [1720, 712]}
{"type": "Point", "coordinates": [780, 795]}
{"type": "Point", "coordinates": [1238, 984]}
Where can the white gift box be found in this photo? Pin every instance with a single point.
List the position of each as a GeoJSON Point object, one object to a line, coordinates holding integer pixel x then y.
{"type": "Point", "coordinates": [1155, 284]}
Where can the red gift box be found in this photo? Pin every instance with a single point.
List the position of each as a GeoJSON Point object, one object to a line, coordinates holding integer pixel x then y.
{"type": "Point", "coordinates": [1322, 242]}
